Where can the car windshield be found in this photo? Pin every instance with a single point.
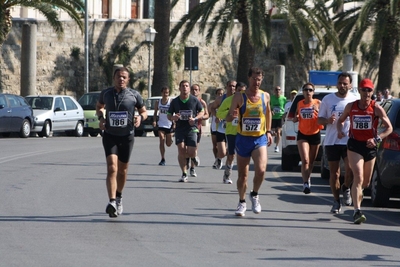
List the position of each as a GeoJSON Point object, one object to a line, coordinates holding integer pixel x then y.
{"type": "Point", "coordinates": [40, 102]}
{"type": "Point", "coordinates": [150, 103]}
{"type": "Point", "coordinates": [88, 101]}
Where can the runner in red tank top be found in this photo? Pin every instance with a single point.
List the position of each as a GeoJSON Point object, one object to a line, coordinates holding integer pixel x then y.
{"type": "Point", "coordinates": [361, 147]}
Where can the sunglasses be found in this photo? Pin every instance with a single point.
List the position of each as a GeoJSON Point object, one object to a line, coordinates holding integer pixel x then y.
{"type": "Point", "coordinates": [369, 90]}
{"type": "Point", "coordinates": [308, 89]}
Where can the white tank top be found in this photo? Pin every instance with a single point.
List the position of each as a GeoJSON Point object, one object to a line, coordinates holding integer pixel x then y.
{"type": "Point", "coordinates": [163, 120]}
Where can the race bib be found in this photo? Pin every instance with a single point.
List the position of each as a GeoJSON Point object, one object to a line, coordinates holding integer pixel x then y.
{"type": "Point", "coordinates": [185, 114]}
{"type": "Point", "coordinates": [118, 118]}
{"type": "Point", "coordinates": [362, 122]}
{"type": "Point", "coordinates": [307, 113]}
{"type": "Point", "coordinates": [235, 122]}
{"type": "Point", "coordinates": [277, 109]}
{"type": "Point", "coordinates": [163, 110]}
{"type": "Point", "coordinates": [251, 124]}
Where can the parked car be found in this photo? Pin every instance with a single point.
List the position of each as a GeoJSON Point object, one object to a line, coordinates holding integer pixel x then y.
{"type": "Point", "coordinates": [290, 153]}
{"type": "Point", "coordinates": [147, 125]}
{"type": "Point", "coordinates": [15, 115]}
{"type": "Point", "coordinates": [54, 113]}
{"type": "Point", "coordinates": [88, 102]}
{"type": "Point", "coordinates": [385, 181]}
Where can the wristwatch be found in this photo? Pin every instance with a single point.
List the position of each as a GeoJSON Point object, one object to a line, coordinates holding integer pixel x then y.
{"type": "Point", "coordinates": [378, 139]}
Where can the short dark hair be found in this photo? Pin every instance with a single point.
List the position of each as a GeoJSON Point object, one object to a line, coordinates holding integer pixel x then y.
{"type": "Point", "coordinates": [219, 89]}
{"type": "Point", "coordinates": [119, 70]}
{"type": "Point", "coordinates": [347, 75]}
{"type": "Point", "coordinates": [183, 81]}
{"type": "Point", "coordinates": [311, 84]}
{"type": "Point", "coordinates": [164, 88]}
{"type": "Point", "coordinates": [255, 70]}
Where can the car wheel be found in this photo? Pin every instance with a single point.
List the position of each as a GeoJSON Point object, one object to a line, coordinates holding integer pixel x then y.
{"type": "Point", "coordinates": [380, 195]}
{"type": "Point", "coordinates": [45, 130]}
{"type": "Point", "coordinates": [93, 134]}
{"type": "Point", "coordinates": [155, 133]}
{"type": "Point", "coordinates": [287, 162]}
{"type": "Point", "coordinates": [78, 129]}
{"type": "Point", "coordinates": [25, 129]}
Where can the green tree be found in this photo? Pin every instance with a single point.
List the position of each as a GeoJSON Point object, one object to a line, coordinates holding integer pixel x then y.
{"type": "Point", "coordinates": [74, 8]}
{"type": "Point", "coordinates": [252, 16]}
{"type": "Point", "coordinates": [382, 17]}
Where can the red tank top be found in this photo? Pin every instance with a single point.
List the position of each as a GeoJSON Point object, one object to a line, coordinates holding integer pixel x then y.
{"type": "Point", "coordinates": [363, 122]}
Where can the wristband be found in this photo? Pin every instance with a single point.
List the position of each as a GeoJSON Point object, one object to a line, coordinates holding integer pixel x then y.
{"type": "Point", "coordinates": [141, 118]}
{"type": "Point", "coordinates": [378, 139]}
{"type": "Point", "coordinates": [269, 132]}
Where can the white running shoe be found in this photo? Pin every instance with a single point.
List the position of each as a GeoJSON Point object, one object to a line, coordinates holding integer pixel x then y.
{"type": "Point", "coordinates": [346, 196]}
{"type": "Point", "coordinates": [196, 161]}
{"type": "Point", "coordinates": [255, 204]}
{"type": "Point", "coordinates": [276, 150]}
{"type": "Point", "coordinates": [219, 164]}
{"type": "Point", "coordinates": [193, 172]}
{"type": "Point", "coordinates": [241, 209]}
{"type": "Point", "coordinates": [215, 164]}
{"type": "Point", "coordinates": [111, 209]}
{"type": "Point", "coordinates": [184, 178]}
{"type": "Point", "coordinates": [120, 209]}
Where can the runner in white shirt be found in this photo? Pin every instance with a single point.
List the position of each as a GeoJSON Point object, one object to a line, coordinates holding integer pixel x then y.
{"type": "Point", "coordinates": [164, 125]}
{"type": "Point", "coordinates": [332, 106]}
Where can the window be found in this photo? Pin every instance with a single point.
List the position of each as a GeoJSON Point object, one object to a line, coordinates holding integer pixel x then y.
{"type": "Point", "coordinates": [148, 9]}
{"type": "Point", "coordinates": [13, 101]}
{"type": "Point", "coordinates": [3, 101]}
{"type": "Point", "coordinates": [134, 9]}
{"type": "Point", "coordinates": [69, 103]}
{"type": "Point", "coordinates": [105, 9]}
{"type": "Point", "coordinates": [59, 105]}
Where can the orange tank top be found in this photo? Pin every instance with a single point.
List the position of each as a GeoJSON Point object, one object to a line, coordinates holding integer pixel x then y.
{"type": "Point", "coordinates": [308, 117]}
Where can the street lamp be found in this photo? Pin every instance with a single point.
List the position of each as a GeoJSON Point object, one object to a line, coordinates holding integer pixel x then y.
{"type": "Point", "coordinates": [312, 45]}
{"type": "Point", "coordinates": [150, 34]}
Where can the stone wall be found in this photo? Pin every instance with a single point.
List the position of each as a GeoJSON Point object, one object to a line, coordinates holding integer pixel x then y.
{"type": "Point", "coordinates": [60, 73]}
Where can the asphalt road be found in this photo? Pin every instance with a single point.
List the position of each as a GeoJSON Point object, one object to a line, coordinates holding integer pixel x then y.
{"type": "Point", "coordinates": [54, 198]}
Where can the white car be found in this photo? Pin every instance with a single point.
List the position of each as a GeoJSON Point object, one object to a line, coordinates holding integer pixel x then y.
{"type": "Point", "coordinates": [56, 113]}
{"type": "Point", "coordinates": [147, 125]}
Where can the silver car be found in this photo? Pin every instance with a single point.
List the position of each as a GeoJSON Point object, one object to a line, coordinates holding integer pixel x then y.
{"type": "Point", "coordinates": [54, 113]}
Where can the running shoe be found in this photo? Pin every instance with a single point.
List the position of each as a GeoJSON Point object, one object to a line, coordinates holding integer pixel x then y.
{"type": "Point", "coordinates": [118, 201]}
{"type": "Point", "coordinates": [111, 209]}
{"type": "Point", "coordinates": [255, 204]}
{"type": "Point", "coordinates": [193, 172]}
{"type": "Point", "coordinates": [306, 188]}
{"type": "Point", "coordinates": [227, 174]}
{"type": "Point", "coordinates": [359, 217]}
{"type": "Point", "coordinates": [196, 161]}
{"type": "Point", "coordinates": [227, 180]}
{"type": "Point", "coordinates": [215, 164]}
{"type": "Point", "coordinates": [276, 149]}
{"type": "Point", "coordinates": [162, 162]}
{"type": "Point", "coordinates": [346, 196]}
{"type": "Point", "coordinates": [219, 164]}
{"type": "Point", "coordinates": [241, 209]}
{"type": "Point", "coordinates": [184, 178]}
{"type": "Point", "coordinates": [336, 207]}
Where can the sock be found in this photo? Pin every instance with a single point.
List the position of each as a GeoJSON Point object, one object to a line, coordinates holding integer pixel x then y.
{"type": "Point", "coordinates": [242, 200]}
{"type": "Point", "coordinates": [112, 199]}
{"type": "Point", "coordinates": [253, 193]}
{"type": "Point", "coordinates": [119, 194]}
{"type": "Point", "coordinates": [344, 187]}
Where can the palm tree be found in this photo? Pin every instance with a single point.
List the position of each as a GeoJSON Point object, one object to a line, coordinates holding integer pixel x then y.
{"type": "Point", "coordinates": [161, 46]}
{"type": "Point", "coordinates": [252, 16]}
{"type": "Point", "coordinates": [382, 17]}
{"type": "Point", "coordinates": [74, 8]}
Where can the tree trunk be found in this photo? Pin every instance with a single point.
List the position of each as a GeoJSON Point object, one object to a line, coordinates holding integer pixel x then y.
{"type": "Point", "coordinates": [161, 46]}
{"type": "Point", "coordinates": [386, 63]}
{"type": "Point", "coordinates": [246, 55]}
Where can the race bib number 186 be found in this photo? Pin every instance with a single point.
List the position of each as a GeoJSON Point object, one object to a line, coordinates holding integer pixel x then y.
{"type": "Point", "coordinates": [118, 118]}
